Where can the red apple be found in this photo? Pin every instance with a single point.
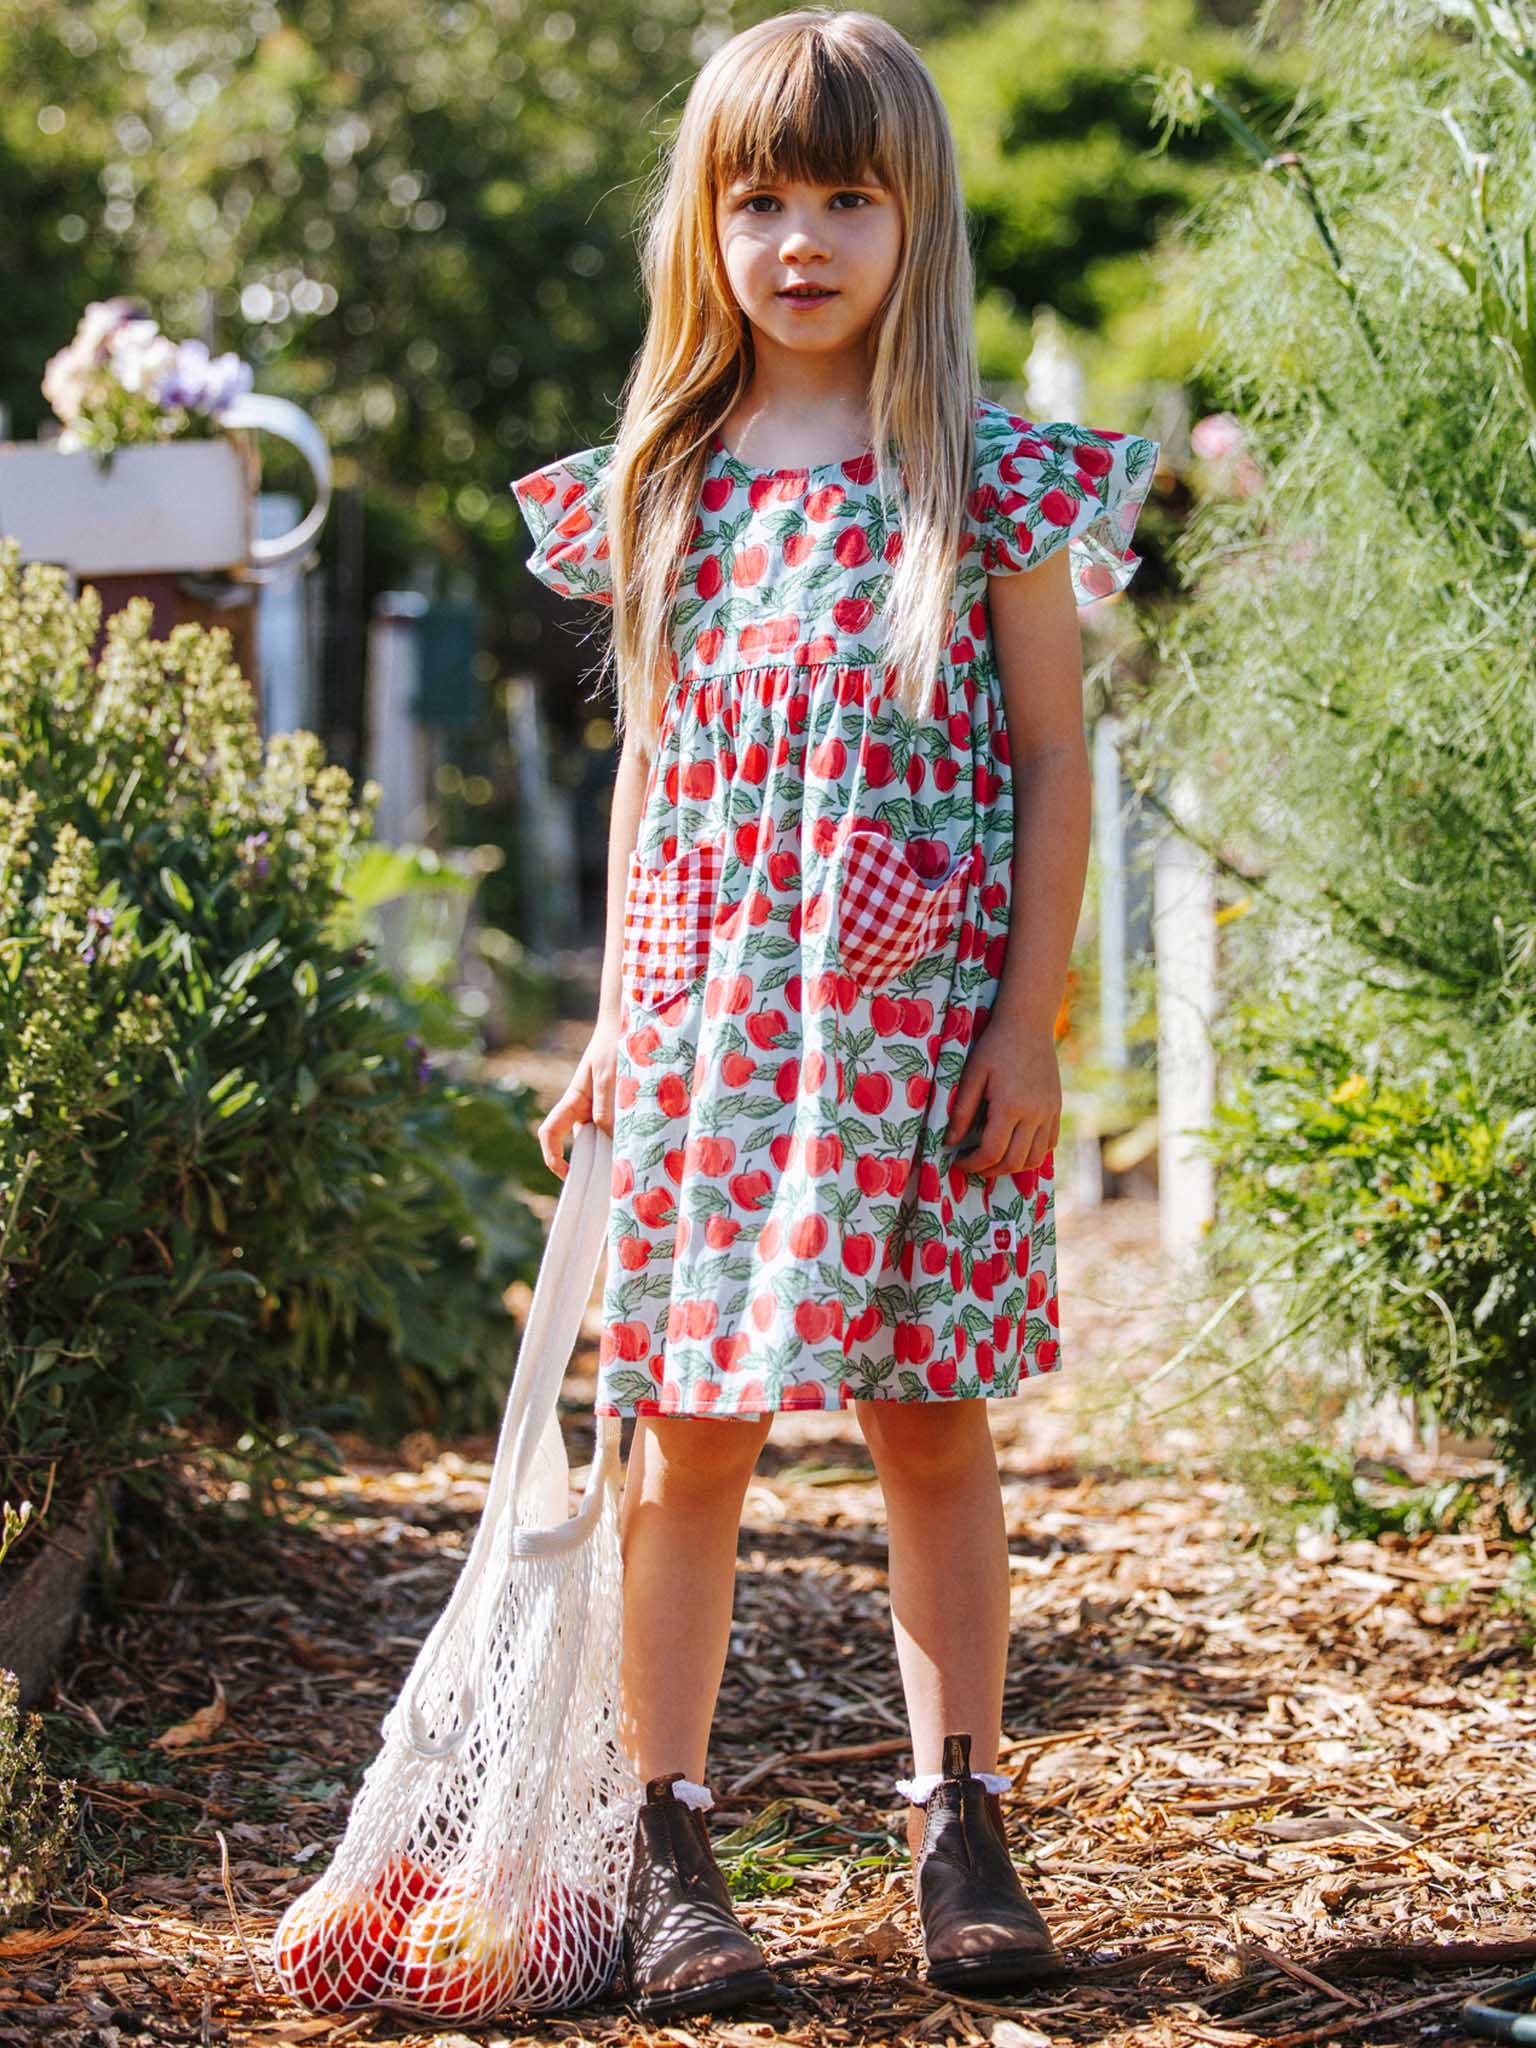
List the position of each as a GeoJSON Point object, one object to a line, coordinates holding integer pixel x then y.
{"type": "Point", "coordinates": [458, 1958]}
{"type": "Point", "coordinates": [333, 1948]}
{"type": "Point", "coordinates": [404, 1883]}
{"type": "Point", "coordinates": [572, 1945]}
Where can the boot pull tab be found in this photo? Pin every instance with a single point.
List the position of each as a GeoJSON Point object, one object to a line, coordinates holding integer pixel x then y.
{"type": "Point", "coordinates": [957, 1756]}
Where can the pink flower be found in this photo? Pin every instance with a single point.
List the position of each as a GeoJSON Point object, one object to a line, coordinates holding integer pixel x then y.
{"type": "Point", "coordinates": [1219, 434]}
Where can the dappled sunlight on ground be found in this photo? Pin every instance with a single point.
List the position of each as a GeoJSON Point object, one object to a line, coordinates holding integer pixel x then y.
{"type": "Point", "coordinates": [1259, 1793]}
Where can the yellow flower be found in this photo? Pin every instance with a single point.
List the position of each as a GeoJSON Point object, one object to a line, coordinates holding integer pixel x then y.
{"type": "Point", "coordinates": [1351, 1090]}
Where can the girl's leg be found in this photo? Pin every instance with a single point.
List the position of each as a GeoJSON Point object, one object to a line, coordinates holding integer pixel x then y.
{"type": "Point", "coordinates": [684, 1486]}
{"type": "Point", "coordinates": [948, 1574]}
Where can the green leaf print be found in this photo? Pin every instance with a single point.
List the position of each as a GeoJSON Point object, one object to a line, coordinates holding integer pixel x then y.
{"type": "Point", "coordinates": [897, 813]}
{"type": "Point", "coordinates": [653, 1161]}
{"type": "Point", "coordinates": [906, 1062]}
{"type": "Point", "coordinates": [631, 1386]}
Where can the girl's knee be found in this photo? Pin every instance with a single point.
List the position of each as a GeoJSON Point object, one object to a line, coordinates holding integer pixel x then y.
{"type": "Point", "coordinates": [924, 1439]}
{"type": "Point", "coordinates": [702, 1452]}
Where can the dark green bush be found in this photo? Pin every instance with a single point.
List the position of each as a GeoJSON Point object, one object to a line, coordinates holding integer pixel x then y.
{"type": "Point", "coordinates": [233, 1191]}
{"type": "Point", "coordinates": [1404, 1188]}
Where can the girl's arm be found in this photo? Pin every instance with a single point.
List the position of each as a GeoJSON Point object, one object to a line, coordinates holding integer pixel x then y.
{"type": "Point", "coordinates": [588, 1096]}
{"type": "Point", "coordinates": [1013, 1063]}
{"type": "Point", "coordinates": [1040, 662]}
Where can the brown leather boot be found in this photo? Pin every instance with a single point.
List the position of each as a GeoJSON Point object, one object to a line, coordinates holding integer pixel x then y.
{"type": "Point", "coordinates": [683, 1948]}
{"type": "Point", "coordinates": [979, 1928]}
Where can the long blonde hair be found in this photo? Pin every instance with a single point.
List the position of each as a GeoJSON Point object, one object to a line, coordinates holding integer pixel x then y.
{"type": "Point", "coordinates": [817, 94]}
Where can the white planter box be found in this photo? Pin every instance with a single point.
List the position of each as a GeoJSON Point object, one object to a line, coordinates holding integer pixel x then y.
{"type": "Point", "coordinates": [185, 506]}
{"type": "Point", "coordinates": [181, 507]}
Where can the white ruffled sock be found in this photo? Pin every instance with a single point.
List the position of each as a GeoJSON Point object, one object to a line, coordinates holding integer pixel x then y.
{"type": "Point", "coordinates": [917, 1789]}
{"type": "Point", "coordinates": [693, 1795]}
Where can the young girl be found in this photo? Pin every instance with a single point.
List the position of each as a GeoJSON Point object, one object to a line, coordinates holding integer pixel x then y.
{"type": "Point", "coordinates": [848, 845]}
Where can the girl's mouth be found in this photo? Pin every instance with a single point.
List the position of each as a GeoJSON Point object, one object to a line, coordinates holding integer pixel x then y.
{"type": "Point", "coordinates": [802, 297]}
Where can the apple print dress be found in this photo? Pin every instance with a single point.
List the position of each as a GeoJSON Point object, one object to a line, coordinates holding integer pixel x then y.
{"type": "Point", "coordinates": [816, 914]}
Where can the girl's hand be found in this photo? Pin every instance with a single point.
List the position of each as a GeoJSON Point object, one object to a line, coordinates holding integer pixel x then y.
{"type": "Point", "coordinates": [1014, 1066]}
{"type": "Point", "coordinates": [588, 1098]}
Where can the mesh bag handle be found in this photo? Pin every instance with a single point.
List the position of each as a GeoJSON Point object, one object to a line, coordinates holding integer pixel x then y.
{"type": "Point", "coordinates": [561, 1291]}
{"type": "Point", "coordinates": [486, 1858]}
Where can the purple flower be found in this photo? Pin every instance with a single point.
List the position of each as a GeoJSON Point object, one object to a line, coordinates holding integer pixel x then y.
{"type": "Point", "coordinates": [203, 383]}
{"type": "Point", "coordinates": [98, 922]}
{"type": "Point", "coordinates": [248, 849]}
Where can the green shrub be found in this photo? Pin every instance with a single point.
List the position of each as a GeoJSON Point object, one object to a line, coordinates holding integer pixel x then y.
{"type": "Point", "coordinates": [1403, 1185]}
{"type": "Point", "coordinates": [1341, 713]}
{"type": "Point", "coordinates": [36, 1812]}
{"type": "Point", "coordinates": [233, 1191]}
{"type": "Point", "coordinates": [1308, 1485]}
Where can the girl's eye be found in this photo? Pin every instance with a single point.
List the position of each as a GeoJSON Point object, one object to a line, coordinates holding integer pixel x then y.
{"type": "Point", "coordinates": [750, 204]}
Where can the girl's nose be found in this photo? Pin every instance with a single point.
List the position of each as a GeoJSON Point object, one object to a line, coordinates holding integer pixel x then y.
{"type": "Point", "coordinates": [798, 243]}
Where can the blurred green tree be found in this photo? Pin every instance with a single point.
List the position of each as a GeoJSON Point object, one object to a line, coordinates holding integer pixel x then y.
{"type": "Point", "coordinates": [1073, 182]}
{"type": "Point", "coordinates": [416, 219]}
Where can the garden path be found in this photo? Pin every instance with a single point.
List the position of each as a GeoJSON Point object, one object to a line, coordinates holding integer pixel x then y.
{"type": "Point", "coordinates": [1261, 1794]}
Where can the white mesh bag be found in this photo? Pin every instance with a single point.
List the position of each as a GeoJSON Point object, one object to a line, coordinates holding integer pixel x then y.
{"type": "Point", "coordinates": [486, 1856]}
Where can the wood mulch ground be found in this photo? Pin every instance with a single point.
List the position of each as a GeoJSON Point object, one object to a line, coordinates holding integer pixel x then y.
{"type": "Point", "coordinates": [1279, 1795]}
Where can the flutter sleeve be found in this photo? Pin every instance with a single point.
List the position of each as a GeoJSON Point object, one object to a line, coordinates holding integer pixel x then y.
{"type": "Point", "coordinates": [1041, 486]}
{"type": "Point", "coordinates": [563, 507]}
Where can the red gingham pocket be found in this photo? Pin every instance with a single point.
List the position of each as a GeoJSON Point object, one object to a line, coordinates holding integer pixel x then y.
{"type": "Point", "coordinates": [669, 915]}
{"type": "Point", "coordinates": [889, 916]}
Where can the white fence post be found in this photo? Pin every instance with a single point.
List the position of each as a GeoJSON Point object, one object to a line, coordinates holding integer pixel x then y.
{"type": "Point", "coordinates": [1114, 934]}
{"type": "Point", "coordinates": [398, 755]}
{"type": "Point", "coordinates": [1184, 942]}
{"type": "Point", "coordinates": [284, 632]}
{"type": "Point", "coordinates": [546, 836]}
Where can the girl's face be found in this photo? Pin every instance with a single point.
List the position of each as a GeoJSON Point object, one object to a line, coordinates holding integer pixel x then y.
{"type": "Point", "coordinates": [845, 239]}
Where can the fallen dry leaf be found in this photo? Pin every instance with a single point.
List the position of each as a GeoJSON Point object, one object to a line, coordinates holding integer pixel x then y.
{"type": "Point", "coordinates": [874, 1944]}
{"type": "Point", "coordinates": [1009, 2034]}
{"type": "Point", "coordinates": [27, 1942]}
{"type": "Point", "coordinates": [206, 1722]}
